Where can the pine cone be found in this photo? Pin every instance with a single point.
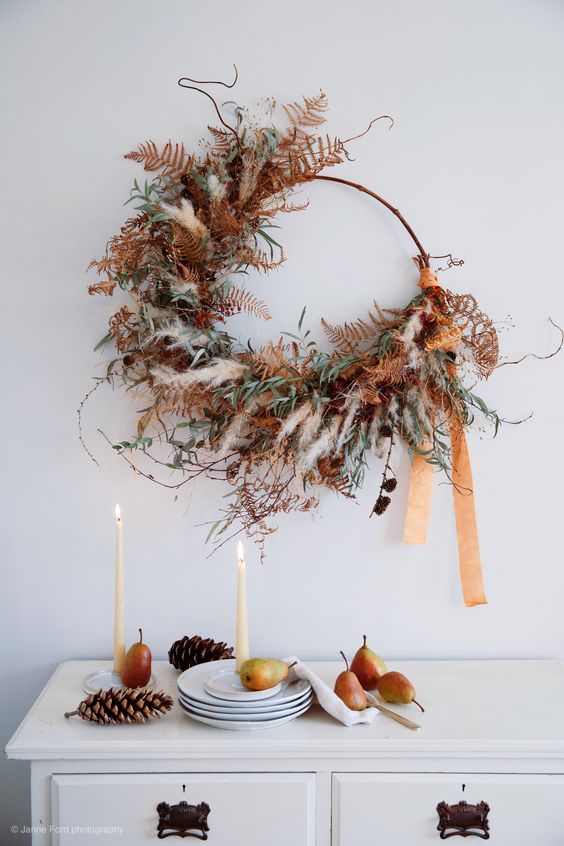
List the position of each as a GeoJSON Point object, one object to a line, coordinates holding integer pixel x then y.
{"type": "Point", "coordinates": [386, 431]}
{"type": "Point", "coordinates": [189, 651]}
{"type": "Point", "coordinates": [381, 504]}
{"type": "Point", "coordinates": [123, 705]}
{"type": "Point", "coordinates": [389, 485]}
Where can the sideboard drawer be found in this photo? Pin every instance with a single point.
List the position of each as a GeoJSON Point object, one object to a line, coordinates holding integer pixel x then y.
{"type": "Point", "coordinates": [401, 809]}
{"type": "Point", "coordinates": [277, 809]}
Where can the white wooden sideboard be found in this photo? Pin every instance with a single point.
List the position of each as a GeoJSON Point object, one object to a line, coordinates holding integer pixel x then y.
{"type": "Point", "coordinates": [493, 731]}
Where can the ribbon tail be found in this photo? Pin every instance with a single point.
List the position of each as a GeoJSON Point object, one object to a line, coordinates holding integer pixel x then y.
{"type": "Point", "coordinates": [466, 525]}
{"type": "Point", "coordinates": [419, 500]}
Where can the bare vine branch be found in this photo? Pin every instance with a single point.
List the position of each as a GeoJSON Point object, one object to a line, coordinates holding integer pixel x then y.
{"type": "Point", "coordinates": [424, 256]}
{"type": "Point", "coordinates": [79, 411]}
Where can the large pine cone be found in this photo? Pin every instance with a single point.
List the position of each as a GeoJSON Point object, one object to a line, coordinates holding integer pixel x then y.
{"type": "Point", "coordinates": [123, 705]}
{"type": "Point", "coordinates": [189, 651]}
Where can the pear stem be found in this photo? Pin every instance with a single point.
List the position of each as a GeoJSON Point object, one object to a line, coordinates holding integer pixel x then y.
{"type": "Point", "coordinates": [364, 639]}
{"type": "Point", "coordinates": [292, 665]}
{"type": "Point", "coordinates": [140, 635]}
{"type": "Point", "coordinates": [419, 704]}
{"type": "Point", "coordinates": [345, 659]}
{"type": "Point", "coordinates": [71, 714]}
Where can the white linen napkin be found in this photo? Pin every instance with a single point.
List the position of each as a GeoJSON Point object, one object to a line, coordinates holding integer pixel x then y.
{"type": "Point", "coordinates": [328, 700]}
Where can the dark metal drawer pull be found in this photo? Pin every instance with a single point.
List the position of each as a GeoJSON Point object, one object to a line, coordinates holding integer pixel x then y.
{"type": "Point", "coordinates": [177, 820]}
{"type": "Point", "coordinates": [464, 820]}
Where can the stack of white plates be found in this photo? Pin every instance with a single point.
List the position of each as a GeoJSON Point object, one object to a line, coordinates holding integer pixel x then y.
{"type": "Point", "coordinates": [213, 694]}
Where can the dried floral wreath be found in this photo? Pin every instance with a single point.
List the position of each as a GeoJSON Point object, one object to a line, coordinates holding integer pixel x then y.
{"type": "Point", "coordinates": [279, 422]}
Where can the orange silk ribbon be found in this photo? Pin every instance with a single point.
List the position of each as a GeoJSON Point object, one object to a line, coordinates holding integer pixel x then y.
{"type": "Point", "coordinates": [466, 525]}
{"type": "Point", "coordinates": [419, 500]}
{"type": "Point", "coordinates": [419, 503]}
{"type": "Point", "coordinates": [419, 510]}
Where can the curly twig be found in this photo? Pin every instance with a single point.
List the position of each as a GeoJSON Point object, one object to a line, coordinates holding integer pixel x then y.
{"type": "Point", "coordinates": [228, 126]}
{"type": "Point", "coordinates": [369, 127]}
{"type": "Point", "coordinates": [534, 355]}
{"type": "Point", "coordinates": [366, 131]}
{"type": "Point", "coordinates": [212, 81]}
{"type": "Point", "coordinates": [451, 262]}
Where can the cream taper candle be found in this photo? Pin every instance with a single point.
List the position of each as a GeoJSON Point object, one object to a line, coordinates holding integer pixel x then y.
{"type": "Point", "coordinates": [242, 641]}
{"type": "Point", "coordinates": [119, 610]}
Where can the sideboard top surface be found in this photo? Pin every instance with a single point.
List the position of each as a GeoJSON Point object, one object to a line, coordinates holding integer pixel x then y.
{"type": "Point", "coordinates": [487, 708]}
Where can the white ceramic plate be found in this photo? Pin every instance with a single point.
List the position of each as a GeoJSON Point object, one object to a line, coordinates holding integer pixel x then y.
{"type": "Point", "coordinates": [190, 684]}
{"type": "Point", "coordinates": [284, 711]}
{"type": "Point", "coordinates": [226, 684]}
{"type": "Point", "coordinates": [107, 678]}
{"type": "Point", "coordinates": [234, 725]}
{"type": "Point", "coordinates": [226, 708]}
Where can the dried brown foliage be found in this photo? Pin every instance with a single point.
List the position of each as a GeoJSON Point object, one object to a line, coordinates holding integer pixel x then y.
{"type": "Point", "coordinates": [172, 160]}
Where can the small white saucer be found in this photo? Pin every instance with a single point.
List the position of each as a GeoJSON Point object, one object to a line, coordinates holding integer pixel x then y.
{"type": "Point", "coordinates": [226, 684]}
{"type": "Point", "coordinates": [107, 678]}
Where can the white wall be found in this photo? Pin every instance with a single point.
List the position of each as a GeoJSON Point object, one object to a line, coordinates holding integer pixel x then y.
{"type": "Point", "coordinates": [474, 161]}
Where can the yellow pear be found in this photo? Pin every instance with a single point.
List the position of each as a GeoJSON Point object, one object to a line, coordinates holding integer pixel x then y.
{"type": "Point", "coordinates": [395, 687]}
{"type": "Point", "coordinates": [262, 673]}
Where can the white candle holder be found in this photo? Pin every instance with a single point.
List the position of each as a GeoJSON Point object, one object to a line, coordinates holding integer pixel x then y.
{"type": "Point", "coordinates": [105, 678]}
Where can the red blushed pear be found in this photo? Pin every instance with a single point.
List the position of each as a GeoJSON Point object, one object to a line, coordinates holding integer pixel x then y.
{"type": "Point", "coordinates": [136, 670]}
{"type": "Point", "coordinates": [368, 667]}
{"type": "Point", "coordinates": [349, 689]}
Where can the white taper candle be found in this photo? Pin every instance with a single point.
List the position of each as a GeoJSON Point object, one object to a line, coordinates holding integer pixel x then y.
{"type": "Point", "coordinates": [119, 610]}
{"type": "Point", "coordinates": [242, 641]}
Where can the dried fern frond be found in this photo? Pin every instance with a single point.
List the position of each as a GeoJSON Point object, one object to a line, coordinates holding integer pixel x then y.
{"type": "Point", "coordinates": [224, 221]}
{"type": "Point", "coordinates": [284, 207]}
{"type": "Point", "coordinates": [323, 152]}
{"type": "Point", "coordinates": [107, 287]}
{"type": "Point", "coordinates": [190, 275]}
{"type": "Point", "coordinates": [120, 328]}
{"type": "Point", "coordinates": [309, 158]}
{"type": "Point", "coordinates": [388, 371]}
{"type": "Point", "coordinates": [483, 335]}
{"type": "Point", "coordinates": [172, 159]}
{"type": "Point", "coordinates": [271, 360]}
{"type": "Point", "coordinates": [310, 113]}
{"type": "Point", "coordinates": [349, 335]}
{"type": "Point", "coordinates": [260, 260]}
{"type": "Point", "coordinates": [190, 246]}
{"type": "Point", "coordinates": [222, 141]}
{"type": "Point", "coordinates": [237, 299]}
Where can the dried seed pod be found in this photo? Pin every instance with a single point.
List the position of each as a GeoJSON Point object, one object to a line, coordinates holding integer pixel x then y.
{"type": "Point", "coordinates": [381, 504]}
